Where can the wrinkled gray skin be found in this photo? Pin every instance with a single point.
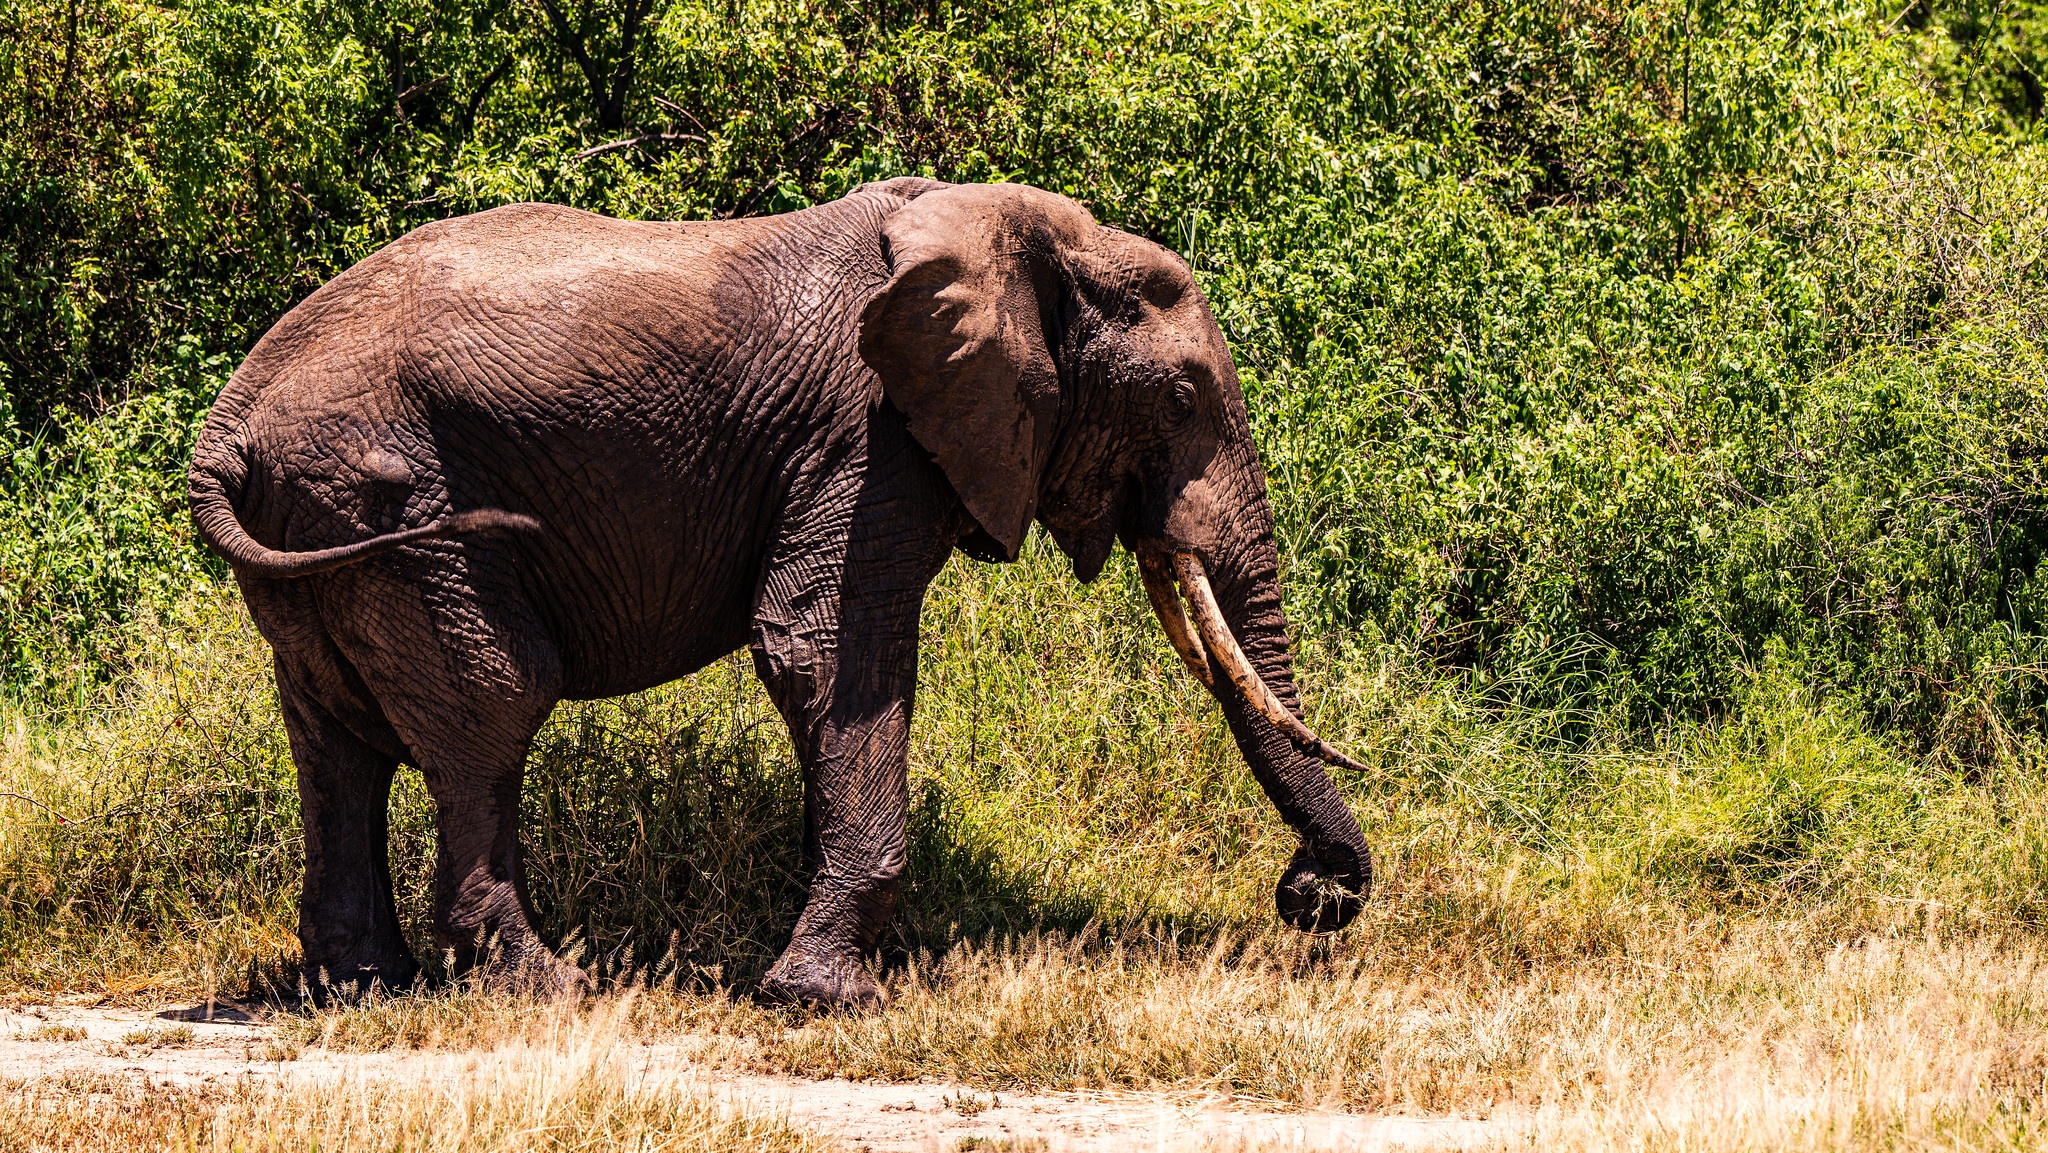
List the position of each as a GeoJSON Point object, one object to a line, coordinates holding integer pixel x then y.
{"type": "Point", "coordinates": [768, 433]}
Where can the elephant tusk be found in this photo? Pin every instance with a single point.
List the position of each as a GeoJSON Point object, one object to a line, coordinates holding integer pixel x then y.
{"type": "Point", "coordinates": [1157, 573]}
{"type": "Point", "coordinates": [1224, 649]}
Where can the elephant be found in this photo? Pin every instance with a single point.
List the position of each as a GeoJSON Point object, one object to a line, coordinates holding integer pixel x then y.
{"type": "Point", "coordinates": [535, 454]}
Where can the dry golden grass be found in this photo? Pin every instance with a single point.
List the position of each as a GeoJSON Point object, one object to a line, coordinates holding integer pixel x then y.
{"type": "Point", "coordinates": [570, 1089]}
{"type": "Point", "coordinates": [1748, 1036]}
{"type": "Point", "coordinates": [144, 854]}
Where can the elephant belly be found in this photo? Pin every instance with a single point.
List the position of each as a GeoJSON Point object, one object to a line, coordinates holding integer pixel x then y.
{"type": "Point", "coordinates": [651, 544]}
{"type": "Point", "coordinates": [643, 619]}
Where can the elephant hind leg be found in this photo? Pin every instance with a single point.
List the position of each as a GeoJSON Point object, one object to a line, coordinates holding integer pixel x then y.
{"type": "Point", "coordinates": [466, 679]}
{"type": "Point", "coordinates": [348, 922]}
{"type": "Point", "coordinates": [471, 748]}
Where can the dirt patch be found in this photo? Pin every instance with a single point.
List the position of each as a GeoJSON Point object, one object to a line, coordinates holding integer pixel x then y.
{"type": "Point", "coordinates": [196, 1046]}
{"type": "Point", "coordinates": [879, 1116]}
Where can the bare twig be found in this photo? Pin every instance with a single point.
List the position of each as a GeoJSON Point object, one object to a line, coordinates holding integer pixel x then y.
{"type": "Point", "coordinates": [644, 138]}
{"type": "Point", "coordinates": [62, 819]}
{"type": "Point", "coordinates": [748, 201]}
{"type": "Point", "coordinates": [681, 111]}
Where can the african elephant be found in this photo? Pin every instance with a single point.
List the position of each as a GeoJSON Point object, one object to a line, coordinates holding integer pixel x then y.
{"type": "Point", "coordinates": [535, 454]}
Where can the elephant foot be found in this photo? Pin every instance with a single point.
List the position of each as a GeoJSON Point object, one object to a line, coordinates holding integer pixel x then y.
{"type": "Point", "coordinates": [347, 982]}
{"type": "Point", "coordinates": [822, 980]}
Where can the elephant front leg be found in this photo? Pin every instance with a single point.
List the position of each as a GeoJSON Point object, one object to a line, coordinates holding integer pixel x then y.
{"type": "Point", "coordinates": [835, 642]}
{"type": "Point", "coordinates": [854, 741]}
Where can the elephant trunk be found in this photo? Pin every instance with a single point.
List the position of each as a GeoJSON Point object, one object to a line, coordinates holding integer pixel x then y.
{"type": "Point", "coordinates": [1237, 645]}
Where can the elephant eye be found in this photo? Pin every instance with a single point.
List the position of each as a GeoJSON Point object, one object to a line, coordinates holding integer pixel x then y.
{"type": "Point", "coordinates": [1178, 405]}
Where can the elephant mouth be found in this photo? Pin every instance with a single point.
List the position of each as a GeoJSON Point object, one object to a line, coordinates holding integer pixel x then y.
{"type": "Point", "coordinates": [1168, 578]}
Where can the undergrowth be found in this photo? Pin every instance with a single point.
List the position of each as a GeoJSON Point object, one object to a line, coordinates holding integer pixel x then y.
{"type": "Point", "coordinates": [157, 848]}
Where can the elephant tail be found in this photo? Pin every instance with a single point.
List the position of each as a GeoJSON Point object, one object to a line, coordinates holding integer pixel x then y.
{"type": "Point", "coordinates": [225, 534]}
{"type": "Point", "coordinates": [220, 528]}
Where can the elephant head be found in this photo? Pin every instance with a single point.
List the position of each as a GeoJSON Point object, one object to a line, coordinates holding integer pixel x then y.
{"type": "Point", "coordinates": [1069, 372]}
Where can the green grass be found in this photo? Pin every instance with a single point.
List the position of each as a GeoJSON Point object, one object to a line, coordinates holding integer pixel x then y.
{"type": "Point", "coordinates": [1066, 774]}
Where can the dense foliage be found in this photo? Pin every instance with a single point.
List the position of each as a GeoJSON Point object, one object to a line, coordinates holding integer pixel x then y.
{"type": "Point", "coordinates": [1601, 355]}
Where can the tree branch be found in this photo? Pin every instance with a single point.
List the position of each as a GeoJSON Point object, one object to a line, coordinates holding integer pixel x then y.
{"type": "Point", "coordinates": [572, 42]}
{"type": "Point", "coordinates": [476, 101]}
{"type": "Point", "coordinates": [61, 818]}
{"type": "Point", "coordinates": [622, 76]}
{"type": "Point", "coordinates": [421, 89]}
{"type": "Point", "coordinates": [644, 138]}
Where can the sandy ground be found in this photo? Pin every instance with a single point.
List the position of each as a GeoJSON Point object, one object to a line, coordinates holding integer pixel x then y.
{"type": "Point", "coordinates": [881, 1117]}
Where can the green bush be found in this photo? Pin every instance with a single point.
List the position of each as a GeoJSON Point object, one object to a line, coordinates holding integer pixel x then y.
{"type": "Point", "coordinates": [1593, 351]}
{"type": "Point", "coordinates": [92, 526]}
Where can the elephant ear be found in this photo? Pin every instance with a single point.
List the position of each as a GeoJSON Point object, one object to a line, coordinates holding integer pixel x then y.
{"type": "Point", "coordinates": [959, 338]}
